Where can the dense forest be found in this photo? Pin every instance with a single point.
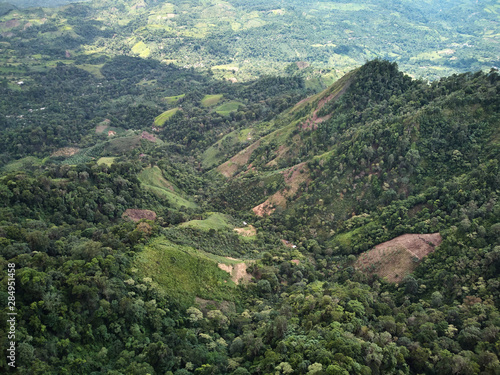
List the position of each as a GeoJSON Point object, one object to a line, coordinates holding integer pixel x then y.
{"type": "Point", "coordinates": [167, 208]}
{"type": "Point", "coordinates": [90, 301]}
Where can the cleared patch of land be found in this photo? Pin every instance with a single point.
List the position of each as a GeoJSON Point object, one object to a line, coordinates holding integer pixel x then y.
{"type": "Point", "coordinates": [248, 231]}
{"type": "Point", "coordinates": [185, 272]}
{"type": "Point", "coordinates": [136, 215]}
{"type": "Point", "coordinates": [141, 49]}
{"type": "Point", "coordinates": [161, 119]}
{"type": "Point", "coordinates": [174, 99]}
{"type": "Point", "coordinates": [65, 151]}
{"type": "Point", "coordinates": [294, 177]}
{"type": "Point", "coordinates": [106, 160]}
{"type": "Point", "coordinates": [152, 179]}
{"type": "Point", "coordinates": [398, 257]}
{"type": "Point", "coordinates": [237, 271]}
{"type": "Point", "coordinates": [102, 126]}
{"type": "Point", "coordinates": [230, 167]}
{"type": "Point", "coordinates": [211, 100]}
{"type": "Point", "coordinates": [226, 108]}
{"type": "Point", "coordinates": [214, 221]}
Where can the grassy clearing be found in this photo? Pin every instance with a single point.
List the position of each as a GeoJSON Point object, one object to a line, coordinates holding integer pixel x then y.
{"type": "Point", "coordinates": [185, 273]}
{"type": "Point", "coordinates": [174, 99]}
{"type": "Point", "coordinates": [153, 176]}
{"type": "Point", "coordinates": [23, 164]}
{"type": "Point", "coordinates": [121, 145]}
{"type": "Point", "coordinates": [214, 221]}
{"type": "Point", "coordinates": [211, 100]}
{"type": "Point", "coordinates": [161, 119]}
{"type": "Point", "coordinates": [95, 70]}
{"type": "Point", "coordinates": [214, 155]}
{"type": "Point", "coordinates": [141, 49]}
{"type": "Point", "coordinates": [254, 23]}
{"type": "Point", "coordinates": [106, 160]}
{"type": "Point", "coordinates": [153, 180]}
{"type": "Point", "coordinates": [226, 108]}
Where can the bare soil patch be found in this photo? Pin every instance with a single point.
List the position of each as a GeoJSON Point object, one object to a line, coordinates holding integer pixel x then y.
{"type": "Point", "coordinates": [398, 257]}
{"type": "Point", "coordinates": [102, 126]}
{"type": "Point", "coordinates": [302, 64]}
{"type": "Point", "coordinates": [248, 231]}
{"type": "Point", "coordinates": [9, 24]}
{"type": "Point", "coordinates": [66, 151]}
{"type": "Point", "coordinates": [205, 305]}
{"type": "Point", "coordinates": [136, 215]}
{"type": "Point", "coordinates": [294, 177]}
{"type": "Point", "coordinates": [237, 271]}
{"type": "Point", "coordinates": [149, 137]}
{"type": "Point", "coordinates": [280, 153]}
{"type": "Point", "coordinates": [229, 168]}
{"type": "Point", "coordinates": [314, 120]}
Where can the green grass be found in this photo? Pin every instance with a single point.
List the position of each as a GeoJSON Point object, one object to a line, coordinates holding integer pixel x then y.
{"type": "Point", "coordinates": [214, 221]}
{"type": "Point", "coordinates": [23, 164]}
{"type": "Point", "coordinates": [226, 108]}
{"type": "Point", "coordinates": [153, 180]}
{"type": "Point", "coordinates": [185, 273]}
{"type": "Point", "coordinates": [174, 99]}
{"type": "Point", "coordinates": [141, 49]}
{"type": "Point", "coordinates": [95, 70]}
{"type": "Point", "coordinates": [214, 155]}
{"type": "Point", "coordinates": [161, 119]}
{"type": "Point", "coordinates": [106, 160]}
{"type": "Point", "coordinates": [211, 100]}
{"type": "Point", "coordinates": [118, 146]}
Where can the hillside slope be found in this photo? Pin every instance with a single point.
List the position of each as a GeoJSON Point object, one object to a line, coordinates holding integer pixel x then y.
{"type": "Point", "coordinates": [364, 220]}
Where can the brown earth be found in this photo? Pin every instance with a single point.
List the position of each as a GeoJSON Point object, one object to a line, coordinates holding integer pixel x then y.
{"type": "Point", "coordinates": [9, 24]}
{"type": "Point", "coordinates": [302, 64]}
{"type": "Point", "coordinates": [312, 123]}
{"type": "Point", "coordinates": [229, 168]}
{"type": "Point", "coordinates": [66, 151]}
{"type": "Point", "coordinates": [282, 150]}
{"type": "Point", "coordinates": [246, 232]}
{"type": "Point", "coordinates": [136, 215]}
{"type": "Point", "coordinates": [149, 137]}
{"type": "Point", "coordinates": [398, 257]}
{"type": "Point", "coordinates": [102, 126]}
{"type": "Point", "coordinates": [294, 177]}
{"type": "Point", "coordinates": [237, 271]}
{"type": "Point", "coordinates": [206, 305]}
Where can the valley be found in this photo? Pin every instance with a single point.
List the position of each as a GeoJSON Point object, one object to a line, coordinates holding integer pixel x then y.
{"type": "Point", "coordinates": [251, 187]}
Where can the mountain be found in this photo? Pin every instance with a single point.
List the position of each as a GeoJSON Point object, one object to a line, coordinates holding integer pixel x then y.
{"type": "Point", "coordinates": [258, 254]}
{"type": "Point", "coordinates": [250, 187]}
{"type": "Point", "coordinates": [238, 40]}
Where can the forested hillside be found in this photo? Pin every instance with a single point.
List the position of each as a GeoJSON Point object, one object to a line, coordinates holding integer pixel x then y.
{"type": "Point", "coordinates": [375, 156]}
{"type": "Point", "coordinates": [258, 187]}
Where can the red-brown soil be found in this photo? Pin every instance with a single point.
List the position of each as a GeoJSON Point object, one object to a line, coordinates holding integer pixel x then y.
{"type": "Point", "coordinates": [398, 257]}
{"type": "Point", "coordinates": [294, 177]}
{"type": "Point", "coordinates": [312, 123]}
{"type": "Point", "coordinates": [230, 167]}
{"type": "Point", "coordinates": [149, 137]}
{"type": "Point", "coordinates": [66, 151]}
{"type": "Point", "coordinates": [237, 271]}
{"type": "Point", "coordinates": [136, 215]}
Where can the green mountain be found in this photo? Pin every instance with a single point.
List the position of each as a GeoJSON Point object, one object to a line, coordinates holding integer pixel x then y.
{"type": "Point", "coordinates": [355, 232]}
{"type": "Point", "coordinates": [320, 40]}
{"type": "Point", "coordinates": [250, 187]}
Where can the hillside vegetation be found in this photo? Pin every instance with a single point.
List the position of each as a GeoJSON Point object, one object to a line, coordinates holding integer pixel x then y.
{"type": "Point", "coordinates": [250, 187]}
{"type": "Point", "coordinates": [376, 159]}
